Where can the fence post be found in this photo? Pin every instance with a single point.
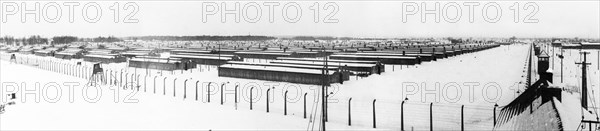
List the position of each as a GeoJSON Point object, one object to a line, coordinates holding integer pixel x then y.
{"type": "Point", "coordinates": [305, 105]}
{"type": "Point", "coordinates": [196, 90]}
{"type": "Point", "coordinates": [87, 71]}
{"type": "Point", "coordinates": [185, 88]}
{"type": "Point", "coordinates": [285, 103]}
{"type": "Point", "coordinates": [113, 80]}
{"type": "Point", "coordinates": [104, 76]}
{"type": "Point", "coordinates": [145, 81]}
{"type": "Point", "coordinates": [402, 114]}
{"type": "Point", "coordinates": [374, 118]}
{"type": "Point", "coordinates": [154, 83]}
{"type": "Point", "coordinates": [112, 77]}
{"type": "Point", "coordinates": [349, 112]}
{"type": "Point", "coordinates": [495, 106]}
{"type": "Point", "coordinates": [125, 86]}
{"type": "Point", "coordinates": [77, 71]}
{"type": "Point", "coordinates": [108, 77]}
{"type": "Point", "coordinates": [251, 97]}
{"type": "Point", "coordinates": [137, 82]}
{"type": "Point", "coordinates": [120, 78]}
{"type": "Point", "coordinates": [208, 91]}
{"type": "Point", "coordinates": [222, 93]}
{"type": "Point", "coordinates": [65, 69]}
{"type": "Point", "coordinates": [132, 80]}
{"type": "Point", "coordinates": [164, 86]}
{"type": "Point", "coordinates": [268, 90]}
{"type": "Point", "coordinates": [326, 110]}
{"type": "Point", "coordinates": [462, 117]}
{"type": "Point", "coordinates": [74, 70]}
{"type": "Point", "coordinates": [431, 116]}
{"type": "Point", "coordinates": [174, 80]}
{"type": "Point", "coordinates": [235, 95]}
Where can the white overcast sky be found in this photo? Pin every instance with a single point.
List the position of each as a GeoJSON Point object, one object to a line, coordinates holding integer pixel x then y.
{"type": "Point", "coordinates": [355, 19]}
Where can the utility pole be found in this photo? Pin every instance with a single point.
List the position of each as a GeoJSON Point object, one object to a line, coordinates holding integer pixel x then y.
{"type": "Point", "coordinates": [324, 91]}
{"type": "Point", "coordinates": [561, 64]}
{"type": "Point", "coordinates": [584, 80]}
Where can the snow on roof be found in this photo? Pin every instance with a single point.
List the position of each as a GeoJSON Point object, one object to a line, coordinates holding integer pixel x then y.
{"type": "Point", "coordinates": [101, 56]}
{"type": "Point", "coordinates": [43, 51]}
{"type": "Point", "coordinates": [136, 53]}
{"type": "Point", "coordinates": [189, 51]}
{"type": "Point", "coordinates": [263, 53]}
{"type": "Point", "coordinates": [70, 51]}
{"type": "Point", "coordinates": [116, 48]}
{"type": "Point", "coordinates": [38, 47]}
{"type": "Point", "coordinates": [306, 52]}
{"type": "Point", "coordinates": [588, 43]}
{"type": "Point", "coordinates": [155, 60]}
{"type": "Point", "coordinates": [549, 70]}
{"type": "Point", "coordinates": [27, 49]}
{"type": "Point", "coordinates": [330, 60]}
{"type": "Point", "coordinates": [144, 49]}
{"type": "Point", "coordinates": [278, 64]}
{"type": "Point", "coordinates": [274, 68]}
{"type": "Point", "coordinates": [100, 51]}
{"type": "Point", "coordinates": [196, 54]}
{"type": "Point", "coordinates": [160, 58]}
{"type": "Point", "coordinates": [386, 57]}
{"type": "Point", "coordinates": [388, 54]}
{"type": "Point", "coordinates": [201, 57]}
{"type": "Point", "coordinates": [322, 63]}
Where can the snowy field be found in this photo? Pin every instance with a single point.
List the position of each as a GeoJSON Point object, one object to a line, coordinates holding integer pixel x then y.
{"type": "Point", "coordinates": [108, 111]}
{"type": "Point", "coordinates": [476, 80]}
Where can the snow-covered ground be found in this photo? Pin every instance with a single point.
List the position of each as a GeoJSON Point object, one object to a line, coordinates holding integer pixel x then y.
{"type": "Point", "coordinates": [570, 108]}
{"type": "Point", "coordinates": [477, 80]}
{"type": "Point", "coordinates": [142, 111]}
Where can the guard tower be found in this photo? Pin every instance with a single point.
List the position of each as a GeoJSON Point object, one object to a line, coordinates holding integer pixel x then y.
{"type": "Point", "coordinates": [97, 74]}
{"type": "Point", "coordinates": [543, 67]}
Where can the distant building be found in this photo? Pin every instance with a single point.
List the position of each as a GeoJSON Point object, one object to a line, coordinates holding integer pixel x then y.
{"type": "Point", "coordinates": [70, 53]}
{"type": "Point", "coordinates": [588, 45]}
